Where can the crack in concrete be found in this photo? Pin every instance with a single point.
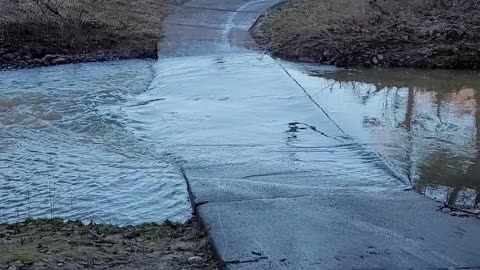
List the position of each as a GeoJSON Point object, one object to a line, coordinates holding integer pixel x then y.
{"type": "Point", "coordinates": [256, 199]}
{"type": "Point", "coordinates": [201, 203]}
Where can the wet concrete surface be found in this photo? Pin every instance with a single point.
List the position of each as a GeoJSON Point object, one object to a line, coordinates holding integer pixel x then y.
{"type": "Point", "coordinates": [353, 231]}
{"type": "Point", "coordinates": [271, 198]}
{"type": "Point", "coordinates": [204, 27]}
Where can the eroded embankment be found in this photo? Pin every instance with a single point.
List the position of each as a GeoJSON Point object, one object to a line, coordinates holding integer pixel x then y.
{"type": "Point", "coordinates": [39, 33]}
{"type": "Point", "coordinates": [387, 33]}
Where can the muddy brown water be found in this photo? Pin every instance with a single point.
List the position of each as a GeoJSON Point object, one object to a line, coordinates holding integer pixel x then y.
{"type": "Point", "coordinates": [426, 123]}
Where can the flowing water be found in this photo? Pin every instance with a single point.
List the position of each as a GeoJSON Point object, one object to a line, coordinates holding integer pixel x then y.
{"type": "Point", "coordinates": [109, 141]}
{"type": "Point", "coordinates": [66, 148]}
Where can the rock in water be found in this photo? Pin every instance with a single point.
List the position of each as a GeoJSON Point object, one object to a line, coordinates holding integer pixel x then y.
{"type": "Point", "coordinates": [466, 198]}
{"type": "Point", "coordinates": [440, 194]}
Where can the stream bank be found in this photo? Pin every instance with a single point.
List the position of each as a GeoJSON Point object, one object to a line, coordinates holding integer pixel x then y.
{"type": "Point", "coordinates": [41, 33]}
{"type": "Point", "coordinates": [385, 33]}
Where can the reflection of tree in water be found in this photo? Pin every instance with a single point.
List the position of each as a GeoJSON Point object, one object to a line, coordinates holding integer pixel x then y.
{"type": "Point", "coordinates": [428, 160]}
{"type": "Point", "coordinates": [443, 166]}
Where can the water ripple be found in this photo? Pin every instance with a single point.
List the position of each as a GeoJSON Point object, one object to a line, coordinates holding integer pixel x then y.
{"type": "Point", "coordinates": [66, 151]}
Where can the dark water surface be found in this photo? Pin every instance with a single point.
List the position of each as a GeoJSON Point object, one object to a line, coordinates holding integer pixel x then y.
{"type": "Point", "coordinates": [107, 141]}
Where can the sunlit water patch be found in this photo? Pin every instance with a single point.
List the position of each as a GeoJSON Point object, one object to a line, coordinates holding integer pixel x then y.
{"type": "Point", "coordinates": [65, 149]}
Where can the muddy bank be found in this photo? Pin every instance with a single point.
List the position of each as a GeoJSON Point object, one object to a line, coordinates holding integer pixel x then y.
{"type": "Point", "coordinates": [53, 244]}
{"type": "Point", "coordinates": [38, 33]}
{"type": "Point", "coordinates": [387, 33]}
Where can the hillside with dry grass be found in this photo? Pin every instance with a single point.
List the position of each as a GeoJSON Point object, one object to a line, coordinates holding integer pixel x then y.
{"type": "Point", "coordinates": [42, 32]}
{"type": "Point", "coordinates": [389, 33]}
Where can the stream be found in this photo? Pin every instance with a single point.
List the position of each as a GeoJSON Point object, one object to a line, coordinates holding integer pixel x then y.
{"type": "Point", "coordinates": [113, 141]}
{"type": "Point", "coordinates": [106, 141]}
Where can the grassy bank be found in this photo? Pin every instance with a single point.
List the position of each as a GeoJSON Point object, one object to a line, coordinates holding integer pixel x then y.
{"type": "Point", "coordinates": [45, 32]}
{"type": "Point", "coordinates": [389, 33]}
{"type": "Point", "coordinates": [52, 244]}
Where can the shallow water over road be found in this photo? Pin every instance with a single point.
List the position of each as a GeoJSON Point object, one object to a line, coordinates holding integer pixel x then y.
{"type": "Point", "coordinates": [108, 141]}
{"type": "Point", "coordinates": [239, 116]}
{"type": "Point", "coordinates": [247, 116]}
